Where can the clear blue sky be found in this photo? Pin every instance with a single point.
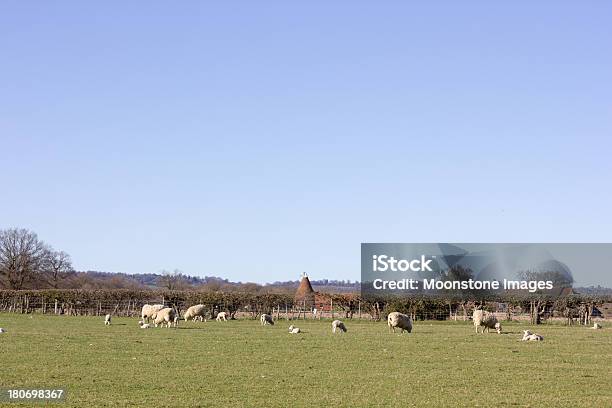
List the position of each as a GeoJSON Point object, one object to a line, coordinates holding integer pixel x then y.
{"type": "Point", "coordinates": [257, 140]}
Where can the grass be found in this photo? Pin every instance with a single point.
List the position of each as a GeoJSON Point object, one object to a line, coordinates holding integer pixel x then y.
{"type": "Point", "coordinates": [240, 363]}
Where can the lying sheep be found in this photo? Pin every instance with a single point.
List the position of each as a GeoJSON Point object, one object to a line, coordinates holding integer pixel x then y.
{"type": "Point", "coordinates": [266, 319]}
{"type": "Point", "coordinates": [166, 316]}
{"type": "Point", "coordinates": [194, 312]}
{"type": "Point", "coordinates": [222, 316]}
{"type": "Point", "coordinates": [294, 330]}
{"type": "Point", "coordinates": [596, 326]}
{"type": "Point", "coordinates": [486, 320]}
{"type": "Point", "coordinates": [143, 325]}
{"type": "Point", "coordinates": [400, 321]}
{"type": "Point", "coordinates": [529, 336]}
{"type": "Point", "coordinates": [149, 310]}
{"type": "Point", "coordinates": [107, 320]}
{"type": "Point", "coordinates": [338, 325]}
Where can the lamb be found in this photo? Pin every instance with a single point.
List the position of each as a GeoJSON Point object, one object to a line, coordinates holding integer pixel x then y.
{"type": "Point", "coordinates": [107, 320]}
{"type": "Point", "coordinates": [486, 320]}
{"type": "Point", "coordinates": [166, 316]}
{"type": "Point", "coordinates": [294, 330]}
{"type": "Point", "coordinates": [338, 325]}
{"type": "Point", "coordinates": [266, 319]}
{"type": "Point", "coordinates": [222, 316]}
{"type": "Point", "coordinates": [529, 336]}
{"type": "Point", "coordinates": [400, 321]}
{"type": "Point", "coordinates": [149, 310]}
{"type": "Point", "coordinates": [194, 312]}
{"type": "Point", "coordinates": [596, 326]}
{"type": "Point", "coordinates": [143, 325]}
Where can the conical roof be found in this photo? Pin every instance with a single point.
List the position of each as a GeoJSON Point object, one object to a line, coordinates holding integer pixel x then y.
{"type": "Point", "coordinates": [305, 292]}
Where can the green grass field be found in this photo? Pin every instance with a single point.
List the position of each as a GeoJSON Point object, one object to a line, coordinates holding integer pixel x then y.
{"type": "Point", "coordinates": [240, 363]}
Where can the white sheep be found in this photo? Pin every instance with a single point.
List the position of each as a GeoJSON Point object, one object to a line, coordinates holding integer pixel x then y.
{"type": "Point", "coordinates": [149, 310]}
{"type": "Point", "coordinates": [597, 326]}
{"type": "Point", "coordinates": [222, 316]}
{"type": "Point", "coordinates": [194, 312]}
{"type": "Point", "coordinates": [2, 330]}
{"type": "Point", "coordinates": [107, 320]}
{"type": "Point", "coordinates": [144, 325]}
{"type": "Point", "coordinates": [400, 321]}
{"type": "Point", "coordinates": [486, 320]}
{"type": "Point", "coordinates": [338, 325]}
{"type": "Point", "coordinates": [266, 319]}
{"type": "Point", "coordinates": [165, 316]}
{"type": "Point", "coordinates": [294, 330]}
{"type": "Point", "coordinates": [529, 336]}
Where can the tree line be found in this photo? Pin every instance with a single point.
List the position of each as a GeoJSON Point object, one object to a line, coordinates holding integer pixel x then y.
{"type": "Point", "coordinates": [124, 302]}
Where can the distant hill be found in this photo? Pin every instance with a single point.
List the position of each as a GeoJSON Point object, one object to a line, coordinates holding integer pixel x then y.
{"type": "Point", "coordinates": [100, 279]}
{"type": "Point", "coordinates": [179, 281]}
{"type": "Point", "coordinates": [594, 290]}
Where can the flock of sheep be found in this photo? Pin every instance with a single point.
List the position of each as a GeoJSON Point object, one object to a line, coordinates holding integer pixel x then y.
{"type": "Point", "coordinates": [162, 316]}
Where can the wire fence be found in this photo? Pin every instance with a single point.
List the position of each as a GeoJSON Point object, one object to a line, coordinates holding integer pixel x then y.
{"type": "Point", "coordinates": [133, 307]}
{"type": "Point", "coordinates": [250, 306]}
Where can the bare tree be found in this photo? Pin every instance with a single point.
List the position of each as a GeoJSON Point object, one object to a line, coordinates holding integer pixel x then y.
{"type": "Point", "coordinates": [22, 257]}
{"type": "Point", "coordinates": [172, 280]}
{"type": "Point", "coordinates": [58, 267]}
{"type": "Point", "coordinates": [558, 277]}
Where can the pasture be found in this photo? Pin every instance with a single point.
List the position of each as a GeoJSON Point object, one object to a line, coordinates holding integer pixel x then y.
{"type": "Point", "coordinates": [240, 363]}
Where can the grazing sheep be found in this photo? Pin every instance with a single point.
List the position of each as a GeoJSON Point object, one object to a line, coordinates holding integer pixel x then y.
{"type": "Point", "coordinates": [486, 320]}
{"type": "Point", "coordinates": [2, 330]}
{"type": "Point", "coordinates": [266, 319]}
{"type": "Point", "coordinates": [194, 312]}
{"type": "Point", "coordinates": [222, 316]}
{"type": "Point", "coordinates": [529, 336]}
{"type": "Point", "coordinates": [294, 330]}
{"type": "Point", "coordinates": [149, 310]}
{"type": "Point", "coordinates": [167, 316]}
{"type": "Point", "coordinates": [338, 325]}
{"type": "Point", "coordinates": [400, 321]}
{"type": "Point", "coordinates": [596, 326]}
{"type": "Point", "coordinates": [107, 320]}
